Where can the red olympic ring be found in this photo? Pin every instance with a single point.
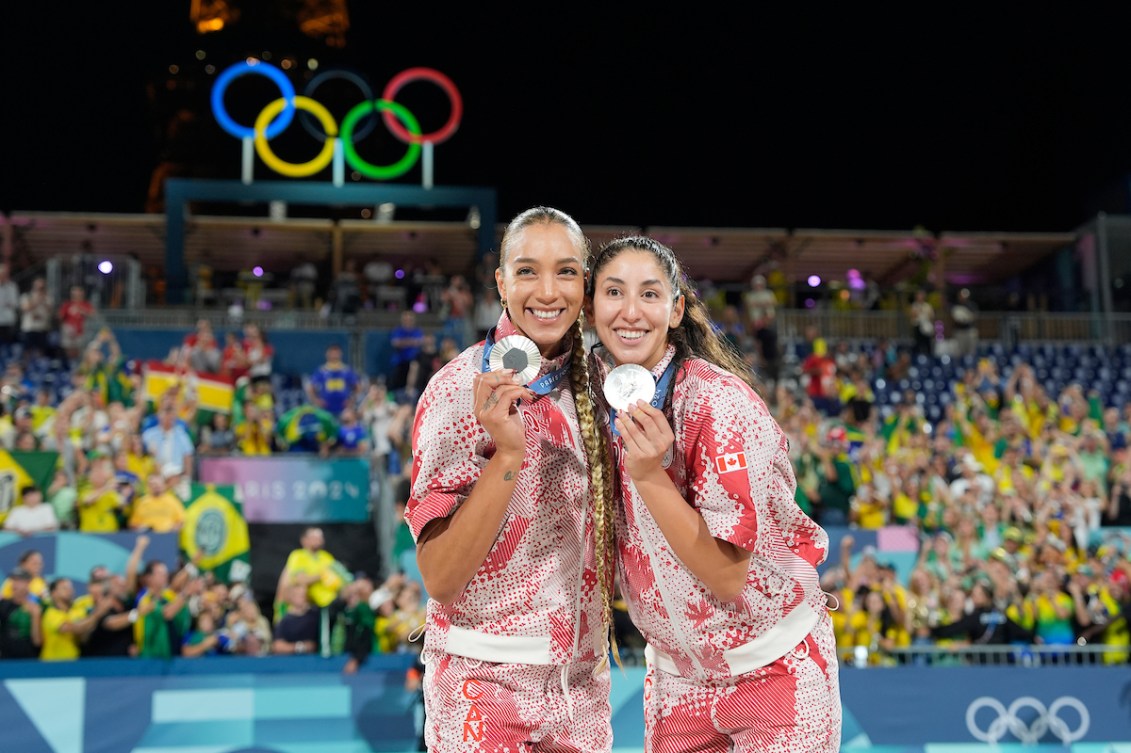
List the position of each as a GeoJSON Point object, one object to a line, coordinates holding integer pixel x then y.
{"type": "Point", "coordinates": [423, 74]}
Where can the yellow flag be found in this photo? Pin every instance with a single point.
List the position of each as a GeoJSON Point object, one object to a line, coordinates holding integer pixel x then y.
{"type": "Point", "coordinates": [215, 534]}
{"type": "Point", "coordinates": [13, 478]}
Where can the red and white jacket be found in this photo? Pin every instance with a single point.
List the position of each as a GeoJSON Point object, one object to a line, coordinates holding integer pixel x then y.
{"type": "Point", "coordinates": [535, 599]}
{"type": "Point", "coordinates": [730, 462]}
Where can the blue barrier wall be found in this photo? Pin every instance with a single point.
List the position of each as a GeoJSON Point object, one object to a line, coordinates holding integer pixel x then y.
{"type": "Point", "coordinates": [378, 352]}
{"type": "Point", "coordinates": [305, 704]}
{"type": "Point", "coordinates": [72, 554]}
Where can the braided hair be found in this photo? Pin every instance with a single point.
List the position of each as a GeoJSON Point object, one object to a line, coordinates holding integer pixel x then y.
{"type": "Point", "coordinates": [600, 478]}
{"type": "Point", "coordinates": [593, 439]}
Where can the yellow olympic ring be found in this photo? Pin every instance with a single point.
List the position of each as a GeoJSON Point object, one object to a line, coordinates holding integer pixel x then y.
{"type": "Point", "coordinates": [296, 169]}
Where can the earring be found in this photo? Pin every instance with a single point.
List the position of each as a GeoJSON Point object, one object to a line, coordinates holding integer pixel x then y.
{"type": "Point", "coordinates": [503, 301]}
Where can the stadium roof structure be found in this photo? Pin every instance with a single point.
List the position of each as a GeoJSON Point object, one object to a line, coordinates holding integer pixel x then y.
{"type": "Point", "coordinates": [889, 257]}
{"type": "Point", "coordinates": [719, 254]}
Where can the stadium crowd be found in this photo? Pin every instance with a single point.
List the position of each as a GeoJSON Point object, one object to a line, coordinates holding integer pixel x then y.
{"type": "Point", "coordinates": [1016, 497]}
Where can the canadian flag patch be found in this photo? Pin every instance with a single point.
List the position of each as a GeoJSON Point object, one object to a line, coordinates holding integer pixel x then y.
{"type": "Point", "coordinates": [732, 461]}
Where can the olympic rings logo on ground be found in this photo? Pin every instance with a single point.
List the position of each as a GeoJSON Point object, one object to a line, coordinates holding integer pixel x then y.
{"type": "Point", "coordinates": [277, 115]}
{"type": "Point", "coordinates": [1028, 728]}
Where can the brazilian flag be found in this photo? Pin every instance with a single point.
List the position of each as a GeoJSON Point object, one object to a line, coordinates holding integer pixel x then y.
{"type": "Point", "coordinates": [22, 468]}
{"type": "Point", "coordinates": [215, 533]}
{"type": "Point", "coordinates": [112, 381]}
{"type": "Point", "coordinates": [305, 427]}
{"type": "Point", "coordinates": [238, 398]}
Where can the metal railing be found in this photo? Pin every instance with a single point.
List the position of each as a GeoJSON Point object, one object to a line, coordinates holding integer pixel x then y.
{"type": "Point", "coordinates": [111, 281]}
{"type": "Point", "coordinates": [1012, 655]}
{"type": "Point", "coordinates": [992, 325]}
{"type": "Point", "coordinates": [276, 319]}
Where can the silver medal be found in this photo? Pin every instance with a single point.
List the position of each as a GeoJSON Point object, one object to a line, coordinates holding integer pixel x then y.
{"type": "Point", "coordinates": [628, 383]}
{"type": "Point", "coordinates": [519, 353]}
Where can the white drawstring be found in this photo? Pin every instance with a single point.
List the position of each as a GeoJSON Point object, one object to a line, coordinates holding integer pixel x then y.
{"type": "Point", "coordinates": [417, 632]}
{"type": "Point", "coordinates": [798, 653]}
{"type": "Point", "coordinates": [565, 692]}
{"type": "Point", "coordinates": [835, 598]}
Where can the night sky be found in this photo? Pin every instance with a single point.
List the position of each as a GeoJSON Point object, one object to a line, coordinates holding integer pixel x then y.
{"type": "Point", "coordinates": [956, 121]}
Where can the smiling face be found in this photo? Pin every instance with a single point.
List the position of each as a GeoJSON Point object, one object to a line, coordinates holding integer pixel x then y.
{"type": "Point", "coordinates": [542, 277]}
{"type": "Point", "coordinates": [634, 306]}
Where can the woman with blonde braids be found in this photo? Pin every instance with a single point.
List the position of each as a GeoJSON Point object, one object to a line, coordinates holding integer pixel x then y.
{"type": "Point", "coordinates": [509, 498]}
{"type": "Point", "coordinates": [718, 564]}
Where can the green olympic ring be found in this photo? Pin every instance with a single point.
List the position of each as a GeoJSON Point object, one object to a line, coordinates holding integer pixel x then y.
{"type": "Point", "coordinates": [398, 168]}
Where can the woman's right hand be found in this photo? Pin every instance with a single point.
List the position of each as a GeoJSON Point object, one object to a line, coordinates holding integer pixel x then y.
{"type": "Point", "coordinates": [648, 437]}
{"type": "Point", "coordinates": [496, 393]}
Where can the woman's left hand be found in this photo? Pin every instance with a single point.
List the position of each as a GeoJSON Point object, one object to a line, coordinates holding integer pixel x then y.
{"type": "Point", "coordinates": [647, 439]}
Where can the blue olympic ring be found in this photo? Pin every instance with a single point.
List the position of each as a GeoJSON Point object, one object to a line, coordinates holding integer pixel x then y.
{"type": "Point", "coordinates": [286, 90]}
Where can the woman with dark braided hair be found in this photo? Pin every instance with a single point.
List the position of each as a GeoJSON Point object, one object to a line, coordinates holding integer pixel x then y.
{"type": "Point", "coordinates": [717, 563]}
{"type": "Point", "coordinates": [510, 495]}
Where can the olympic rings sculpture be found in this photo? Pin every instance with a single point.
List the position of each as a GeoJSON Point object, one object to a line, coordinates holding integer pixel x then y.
{"type": "Point", "coordinates": [1028, 731]}
{"type": "Point", "coordinates": [277, 115]}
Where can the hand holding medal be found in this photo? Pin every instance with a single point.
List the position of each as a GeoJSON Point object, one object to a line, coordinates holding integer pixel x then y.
{"type": "Point", "coordinates": [513, 362]}
{"type": "Point", "coordinates": [630, 390]}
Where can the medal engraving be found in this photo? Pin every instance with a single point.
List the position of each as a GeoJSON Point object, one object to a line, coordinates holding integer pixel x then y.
{"type": "Point", "coordinates": [628, 383]}
{"type": "Point", "coordinates": [518, 353]}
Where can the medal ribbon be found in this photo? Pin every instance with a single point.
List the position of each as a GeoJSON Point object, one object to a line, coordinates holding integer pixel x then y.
{"type": "Point", "coordinates": [658, 397]}
{"type": "Point", "coordinates": [540, 386]}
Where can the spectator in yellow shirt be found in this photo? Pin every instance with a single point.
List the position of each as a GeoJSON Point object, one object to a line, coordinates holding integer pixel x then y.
{"type": "Point", "coordinates": [135, 460]}
{"type": "Point", "coordinates": [254, 433]}
{"type": "Point", "coordinates": [159, 509]}
{"type": "Point", "coordinates": [312, 566]}
{"type": "Point", "coordinates": [869, 511]}
{"type": "Point", "coordinates": [99, 502]}
{"type": "Point", "coordinates": [30, 564]}
{"type": "Point", "coordinates": [64, 625]}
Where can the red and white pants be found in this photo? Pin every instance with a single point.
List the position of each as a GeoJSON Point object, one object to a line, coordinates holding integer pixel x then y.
{"type": "Point", "coordinates": [474, 706]}
{"type": "Point", "coordinates": [789, 706]}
